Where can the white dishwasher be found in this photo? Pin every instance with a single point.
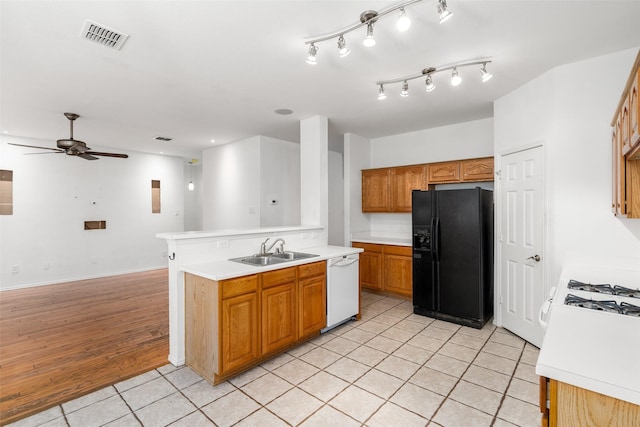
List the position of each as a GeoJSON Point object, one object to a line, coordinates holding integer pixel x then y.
{"type": "Point", "coordinates": [342, 290]}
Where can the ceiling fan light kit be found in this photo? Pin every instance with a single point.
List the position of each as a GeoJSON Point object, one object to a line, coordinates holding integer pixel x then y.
{"type": "Point", "coordinates": [73, 147]}
{"type": "Point", "coordinates": [368, 18]}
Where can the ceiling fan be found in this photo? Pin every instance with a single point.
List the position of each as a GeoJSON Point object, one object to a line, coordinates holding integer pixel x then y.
{"type": "Point", "coordinates": [73, 147]}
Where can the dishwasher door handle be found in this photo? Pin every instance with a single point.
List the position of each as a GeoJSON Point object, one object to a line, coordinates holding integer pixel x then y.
{"type": "Point", "coordinates": [344, 262]}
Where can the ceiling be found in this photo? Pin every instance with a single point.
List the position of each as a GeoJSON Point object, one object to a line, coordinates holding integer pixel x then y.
{"type": "Point", "coordinates": [201, 70]}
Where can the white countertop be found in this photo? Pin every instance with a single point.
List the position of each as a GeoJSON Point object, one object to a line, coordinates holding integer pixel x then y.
{"type": "Point", "coordinates": [593, 349]}
{"type": "Point", "coordinates": [183, 235]}
{"type": "Point", "coordinates": [382, 238]}
{"type": "Point", "coordinates": [225, 269]}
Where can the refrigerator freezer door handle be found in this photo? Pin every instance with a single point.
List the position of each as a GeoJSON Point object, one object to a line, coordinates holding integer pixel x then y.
{"type": "Point", "coordinates": [435, 240]}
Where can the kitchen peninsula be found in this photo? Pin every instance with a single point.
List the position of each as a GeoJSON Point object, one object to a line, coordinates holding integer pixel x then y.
{"type": "Point", "coordinates": [200, 268]}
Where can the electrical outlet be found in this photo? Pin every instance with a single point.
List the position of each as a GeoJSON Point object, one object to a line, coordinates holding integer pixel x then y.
{"type": "Point", "coordinates": [223, 244]}
{"type": "Point", "coordinates": [46, 265]}
{"type": "Point", "coordinates": [164, 254]}
{"type": "Point", "coordinates": [15, 269]}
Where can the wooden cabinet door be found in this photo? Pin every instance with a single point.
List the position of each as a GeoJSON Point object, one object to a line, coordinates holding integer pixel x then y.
{"type": "Point", "coordinates": [239, 331]}
{"type": "Point", "coordinates": [615, 167]}
{"type": "Point", "coordinates": [443, 172]}
{"type": "Point", "coordinates": [634, 111]}
{"type": "Point", "coordinates": [404, 180]}
{"type": "Point", "coordinates": [398, 268]}
{"type": "Point", "coordinates": [312, 310]}
{"type": "Point", "coordinates": [477, 169]}
{"type": "Point", "coordinates": [370, 268]}
{"type": "Point", "coordinates": [279, 326]}
{"type": "Point", "coordinates": [624, 127]}
{"type": "Point", "coordinates": [376, 190]}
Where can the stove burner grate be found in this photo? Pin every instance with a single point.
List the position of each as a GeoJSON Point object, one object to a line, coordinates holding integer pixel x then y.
{"type": "Point", "coordinates": [608, 306]}
{"type": "Point", "coordinates": [629, 309]}
{"type": "Point", "coordinates": [626, 292]}
{"type": "Point", "coordinates": [601, 289]}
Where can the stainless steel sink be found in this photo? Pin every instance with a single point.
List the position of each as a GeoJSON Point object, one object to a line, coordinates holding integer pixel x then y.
{"type": "Point", "coordinates": [270, 259]}
{"type": "Point", "coordinates": [293, 256]}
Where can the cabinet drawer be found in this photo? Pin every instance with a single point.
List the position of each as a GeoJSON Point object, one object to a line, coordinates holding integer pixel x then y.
{"type": "Point", "coordinates": [368, 247]}
{"type": "Point", "coordinates": [239, 286]}
{"type": "Point", "coordinates": [398, 250]}
{"type": "Point", "coordinates": [314, 269]}
{"type": "Point", "coordinates": [277, 277]}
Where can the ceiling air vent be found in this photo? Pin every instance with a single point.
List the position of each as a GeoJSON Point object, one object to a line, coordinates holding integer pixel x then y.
{"type": "Point", "coordinates": [104, 35]}
{"type": "Point", "coordinates": [162, 138]}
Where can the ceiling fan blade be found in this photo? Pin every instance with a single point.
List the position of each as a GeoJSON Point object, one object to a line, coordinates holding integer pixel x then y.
{"type": "Point", "coordinates": [97, 153]}
{"type": "Point", "coordinates": [87, 156]}
{"type": "Point", "coordinates": [44, 152]}
{"type": "Point", "coordinates": [35, 146]}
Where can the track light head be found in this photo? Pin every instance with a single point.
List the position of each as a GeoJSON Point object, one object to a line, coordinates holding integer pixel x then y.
{"type": "Point", "coordinates": [404, 22]}
{"type": "Point", "coordinates": [428, 84]}
{"type": "Point", "coordinates": [343, 50]}
{"type": "Point", "coordinates": [405, 89]}
{"type": "Point", "coordinates": [486, 76]}
{"type": "Point", "coordinates": [455, 78]}
{"type": "Point", "coordinates": [369, 41]}
{"type": "Point", "coordinates": [381, 94]}
{"type": "Point", "coordinates": [311, 58]}
{"type": "Point", "coordinates": [443, 12]}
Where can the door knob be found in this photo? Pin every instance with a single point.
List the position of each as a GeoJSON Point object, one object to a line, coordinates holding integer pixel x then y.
{"type": "Point", "coordinates": [536, 258]}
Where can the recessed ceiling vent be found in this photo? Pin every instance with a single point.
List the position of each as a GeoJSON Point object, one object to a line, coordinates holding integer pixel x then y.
{"type": "Point", "coordinates": [162, 138]}
{"type": "Point", "coordinates": [104, 35]}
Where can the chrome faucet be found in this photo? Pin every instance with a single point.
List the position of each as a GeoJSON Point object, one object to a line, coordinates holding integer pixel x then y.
{"type": "Point", "coordinates": [265, 251]}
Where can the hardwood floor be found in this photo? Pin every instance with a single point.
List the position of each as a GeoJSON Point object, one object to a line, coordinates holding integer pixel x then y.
{"type": "Point", "coordinates": [59, 342]}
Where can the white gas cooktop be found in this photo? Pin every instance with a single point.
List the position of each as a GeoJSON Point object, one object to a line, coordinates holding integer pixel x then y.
{"type": "Point", "coordinates": [593, 344]}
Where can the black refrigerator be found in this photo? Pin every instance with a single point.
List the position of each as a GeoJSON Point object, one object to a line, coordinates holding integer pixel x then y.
{"type": "Point", "coordinates": [453, 255]}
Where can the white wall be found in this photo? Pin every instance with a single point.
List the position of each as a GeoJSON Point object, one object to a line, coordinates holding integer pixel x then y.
{"type": "Point", "coordinates": [357, 156]}
{"type": "Point", "coordinates": [240, 179]}
{"type": "Point", "coordinates": [54, 194]}
{"type": "Point", "coordinates": [193, 199]}
{"type": "Point", "coordinates": [336, 200]}
{"type": "Point", "coordinates": [569, 110]}
{"type": "Point", "coordinates": [280, 181]}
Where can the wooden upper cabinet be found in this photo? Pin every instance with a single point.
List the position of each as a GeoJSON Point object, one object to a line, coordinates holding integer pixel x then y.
{"type": "Point", "coordinates": [477, 169]}
{"type": "Point", "coordinates": [444, 172]}
{"type": "Point", "coordinates": [376, 190]}
{"type": "Point", "coordinates": [404, 180]}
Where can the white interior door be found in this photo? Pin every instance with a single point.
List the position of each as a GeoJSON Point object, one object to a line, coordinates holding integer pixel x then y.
{"type": "Point", "coordinates": [521, 261]}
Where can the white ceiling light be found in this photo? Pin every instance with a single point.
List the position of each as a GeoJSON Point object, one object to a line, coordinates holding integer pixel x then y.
{"type": "Point", "coordinates": [311, 58]}
{"type": "Point", "coordinates": [429, 86]}
{"type": "Point", "coordinates": [486, 76]}
{"type": "Point", "coordinates": [455, 78]}
{"type": "Point", "coordinates": [343, 49]}
{"type": "Point", "coordinates": [428, 72]}
{"type": "Point", "coordinates": [381, 94]}
{"type": "Point", "coordinates": [369, 18]}
{"type": "Point", "coordinates": [369, 41]}
{"type": "Point", "coordinates": [404, 22]}
{"type": "Point", "coordinates": [443, 12]}
{"type": "Point", "coordinates": [405, 89]}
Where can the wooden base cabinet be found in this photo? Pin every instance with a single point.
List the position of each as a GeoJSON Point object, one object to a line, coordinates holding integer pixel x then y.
{"type": "Point", "coordinates": [232, 325]}
{"type": "Point", "coordinates": [386, 268]}
{"type": "Point", "coordinates": [565, 405]}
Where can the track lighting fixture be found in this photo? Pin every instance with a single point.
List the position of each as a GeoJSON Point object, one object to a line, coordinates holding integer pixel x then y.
{"type": "Point", "coordinates": [343, 50]}
{"type": "Point", "coordinates": [369, 18]}
{"type": "Point", "coordinates": [443, 12]}
{"type": "Point", "coordinates": [455, 77]}
{"type": "Point", "coordinates": [405, 89]}
{"type": "Point", "coordinates": [404, 22]}
{"type": "Point", "coordinates": [381, 94]}
{"type": "Point", "coordinates": [429, 86]}
{"type": "Point", "coordinates": [486, 76]}
{"type": "Point", "coordinates": [429, 72]}
{"type": "Point", "coordinates": [311, 58]}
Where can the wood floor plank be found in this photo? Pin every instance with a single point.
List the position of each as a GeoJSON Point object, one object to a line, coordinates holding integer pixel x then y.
{"type": "Point", "coordinates": [59, 342]}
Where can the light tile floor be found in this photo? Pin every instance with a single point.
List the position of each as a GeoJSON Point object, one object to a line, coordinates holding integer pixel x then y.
{"type": "Point", "coordinates": [392, 368]}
